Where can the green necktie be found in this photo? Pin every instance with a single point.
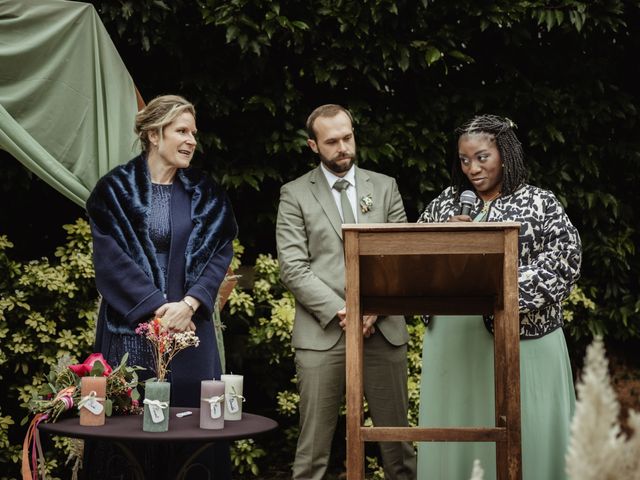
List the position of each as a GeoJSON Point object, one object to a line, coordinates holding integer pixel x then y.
{"type": "Point", "coordinates": [347, 211]}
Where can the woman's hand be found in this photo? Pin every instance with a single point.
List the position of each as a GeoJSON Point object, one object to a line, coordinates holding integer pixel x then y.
{"type": "Point", "coordinates": [176, 316]}
{"type": "Point", "coordinates": [460, 218]}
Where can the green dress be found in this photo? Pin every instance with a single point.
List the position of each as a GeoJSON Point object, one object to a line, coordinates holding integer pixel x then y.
{"type": "Point", "coordinates": [456, 390]}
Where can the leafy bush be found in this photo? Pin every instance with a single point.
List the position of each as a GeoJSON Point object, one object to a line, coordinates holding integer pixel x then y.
{"type": "Point", "coordinates": [411, 71]}
{"type": "Point", "coordinates": [47, 311]}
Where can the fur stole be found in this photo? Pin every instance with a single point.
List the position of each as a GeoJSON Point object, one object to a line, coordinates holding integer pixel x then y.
{"type": "Point", "coordinates": [119, 206]}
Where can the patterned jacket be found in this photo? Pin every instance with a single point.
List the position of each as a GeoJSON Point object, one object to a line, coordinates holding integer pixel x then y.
{"type": "Point", "coordinates": [549, 249]}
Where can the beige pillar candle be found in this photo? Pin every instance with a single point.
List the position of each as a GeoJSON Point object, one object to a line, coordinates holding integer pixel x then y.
{"type": "Point", "coordinates": [232, 396]}
{"type": "Point", "coordinates": [93, 392]}
{"type": "Point", "coordinates": [212, 404]}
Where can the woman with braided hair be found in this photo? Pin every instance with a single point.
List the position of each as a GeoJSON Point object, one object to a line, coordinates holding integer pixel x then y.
{"type": "Point", "coordinates": [457, 385]}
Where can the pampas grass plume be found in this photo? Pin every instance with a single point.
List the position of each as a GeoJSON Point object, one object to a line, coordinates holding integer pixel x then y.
{"type": "Point", "coordinates": [477, 473]}
{"type": "Point", "coordinates": [597, 448]}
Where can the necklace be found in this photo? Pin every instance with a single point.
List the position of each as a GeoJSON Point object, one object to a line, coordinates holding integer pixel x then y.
{"type": "Point", "coordinates": [487, 203]}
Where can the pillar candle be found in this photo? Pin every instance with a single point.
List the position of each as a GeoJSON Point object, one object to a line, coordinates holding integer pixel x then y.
{"type": "Point", "coordinates": [232, 396]}
{"type": "Point", "coordinates": [212, 404]}
{"type": "Point", "coordinates": [156, 406]}
{"type": "Point", "coordinates": [93, 392]}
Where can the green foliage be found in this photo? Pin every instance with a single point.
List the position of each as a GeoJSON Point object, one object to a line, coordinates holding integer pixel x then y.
{"type": "Point", "coordinates": [47, 312]}
{"type": "Point", "coordinates": [579, 314]}
{"type": "Point", "coordinates": [411, 72]}
{"type": "Point", "coordinates": [244, 455]}
{"type": "Point", "coordinates": [375, 469]}
{"type": "Point", "coordinates": [414, 361]}
{"type": "Point", "coordinates": [274, 332]}
{"type": "Point", "coordinates": [5, 423]}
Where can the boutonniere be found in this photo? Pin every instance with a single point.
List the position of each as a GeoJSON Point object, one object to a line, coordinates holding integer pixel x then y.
{"type": "Point", "coordinates": [366, 203]}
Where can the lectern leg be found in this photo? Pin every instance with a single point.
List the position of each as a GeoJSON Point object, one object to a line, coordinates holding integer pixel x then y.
{"type": "Point", "coordinates": [500, 375]}
{"type": "Point", "coordinates": [354, 360]}
{"type": "Point", "coordinates": [510, 321]}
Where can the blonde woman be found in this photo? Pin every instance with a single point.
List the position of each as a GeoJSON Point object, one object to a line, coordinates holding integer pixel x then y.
{"type": "Point", "coordinates": [162, 240]}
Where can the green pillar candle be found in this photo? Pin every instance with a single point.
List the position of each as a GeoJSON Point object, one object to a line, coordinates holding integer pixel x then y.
{"type": "Point", "coordinates": [156, 406]}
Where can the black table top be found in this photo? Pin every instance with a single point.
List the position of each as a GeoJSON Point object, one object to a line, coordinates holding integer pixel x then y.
{"type": "Point", "coordinates": [128, 428]}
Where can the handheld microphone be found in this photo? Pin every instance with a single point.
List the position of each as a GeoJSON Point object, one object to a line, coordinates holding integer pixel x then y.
{"type": "Point", "coordinates": [467, 199]}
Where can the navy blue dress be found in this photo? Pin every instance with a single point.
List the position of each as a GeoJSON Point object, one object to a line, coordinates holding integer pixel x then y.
{"type": "Point", "coordinates": [187, 369]}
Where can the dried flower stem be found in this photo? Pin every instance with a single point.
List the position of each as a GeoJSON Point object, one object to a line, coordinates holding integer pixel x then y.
{"type": "Point", "coordinates": [166, 344]}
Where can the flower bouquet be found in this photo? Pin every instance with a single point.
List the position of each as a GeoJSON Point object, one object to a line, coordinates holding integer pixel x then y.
{"type": "Point", "coordinates": [165, 345]}
{"type": "Point", "coordinates": [61, 392]}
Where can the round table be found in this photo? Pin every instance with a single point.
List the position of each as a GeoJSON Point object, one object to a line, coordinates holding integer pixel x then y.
{"type": "Point", "coordinates": [125, 429]}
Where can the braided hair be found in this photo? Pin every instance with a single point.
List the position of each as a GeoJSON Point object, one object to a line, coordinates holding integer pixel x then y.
{"type": "Point", "coordinates": [501, 131]}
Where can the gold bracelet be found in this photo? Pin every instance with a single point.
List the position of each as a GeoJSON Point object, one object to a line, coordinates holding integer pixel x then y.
{"type": "Point", "coordinates": [193, 309]}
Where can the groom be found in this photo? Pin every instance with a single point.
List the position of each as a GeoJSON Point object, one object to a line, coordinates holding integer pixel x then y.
{"type": "Point", "coordinates": [310, 251]}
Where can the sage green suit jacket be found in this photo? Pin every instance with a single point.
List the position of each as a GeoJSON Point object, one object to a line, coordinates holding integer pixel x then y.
{"type": "Point", "coordinates": [311, 253]}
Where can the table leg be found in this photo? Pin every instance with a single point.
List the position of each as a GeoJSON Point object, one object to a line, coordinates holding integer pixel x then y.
{"type": "Point", "coordinates": [182, 474]}
{"type": "Point", "coordinates": [136, 468]}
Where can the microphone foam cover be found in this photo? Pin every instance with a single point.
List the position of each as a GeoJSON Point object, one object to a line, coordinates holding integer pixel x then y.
{"type": "Point", "coordinates": [468, 197]}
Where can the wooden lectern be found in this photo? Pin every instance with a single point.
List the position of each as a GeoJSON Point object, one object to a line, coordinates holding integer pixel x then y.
{"type": "Point", "coordinates": [444, 269]}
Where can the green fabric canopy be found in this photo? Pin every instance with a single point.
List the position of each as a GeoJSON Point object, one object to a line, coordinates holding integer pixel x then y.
{"type": "Point", "coordinates": [67, 102]}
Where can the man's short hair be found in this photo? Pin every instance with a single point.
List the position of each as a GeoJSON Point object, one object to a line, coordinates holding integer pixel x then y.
{"type": "Point", "coordinates": [329, 110]}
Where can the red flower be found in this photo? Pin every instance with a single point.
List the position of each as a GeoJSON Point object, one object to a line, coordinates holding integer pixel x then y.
{"type": "Point", "coordinates": [157, 325]}
{"type": "Point", "coordinates": [83, 369]}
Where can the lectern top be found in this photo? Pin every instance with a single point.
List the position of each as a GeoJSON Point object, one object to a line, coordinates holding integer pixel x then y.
{"type": "Point", "coordinates": [421, 227]}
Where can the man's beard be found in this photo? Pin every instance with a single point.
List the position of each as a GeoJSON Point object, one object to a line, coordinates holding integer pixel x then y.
{"type": "Point", "coordinates": [332, 163]}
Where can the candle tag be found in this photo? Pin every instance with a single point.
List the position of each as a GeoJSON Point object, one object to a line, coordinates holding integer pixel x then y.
{"type": "Point", "coordinates": [157, 415]}
{"type": "Point", "coordinates": [94, 406]}
{"type": "Point", "coordinates": [232, 404]}
{"type": "Point", "coordinates": [216, 411]}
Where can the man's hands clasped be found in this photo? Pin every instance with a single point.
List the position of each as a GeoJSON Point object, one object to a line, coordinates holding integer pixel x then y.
{"type": "Point", "coordinates": [368, 322]}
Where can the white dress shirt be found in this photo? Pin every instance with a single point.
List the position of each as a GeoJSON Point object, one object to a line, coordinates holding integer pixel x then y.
{"type": "Point", "coordinates": [350, 177]}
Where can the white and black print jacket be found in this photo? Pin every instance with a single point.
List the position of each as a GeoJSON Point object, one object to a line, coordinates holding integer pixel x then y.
{"type": "Point", "coordinates": [549, 248]}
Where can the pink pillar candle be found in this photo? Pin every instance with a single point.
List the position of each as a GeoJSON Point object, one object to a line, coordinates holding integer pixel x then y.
{"type": "Point", "coordinates": [232, 396]}
{"type": "Point", "coordinates": [211, 404]}
{"type": "Point", "coordinates": [93, 392]}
